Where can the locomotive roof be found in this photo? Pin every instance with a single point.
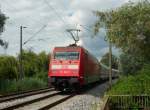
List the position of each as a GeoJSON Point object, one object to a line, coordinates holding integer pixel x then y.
{"type": "Point", "coordinates": [68, 47]}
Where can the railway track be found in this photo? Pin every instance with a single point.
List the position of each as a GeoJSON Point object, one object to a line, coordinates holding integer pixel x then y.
{"type": "Point", "coordinates": [23, 94]}
{"type": "Point", "coordinates": [28, 100]}
{"type": "Point", "coordinates": [14, 101]}
{"type": "Point", "coordinates": [48, 103]}
{"type": "Point", "coordinates": [36, 100]}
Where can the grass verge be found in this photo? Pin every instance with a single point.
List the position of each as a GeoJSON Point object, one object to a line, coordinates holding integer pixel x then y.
{"type": "Point", "coordinates": [133, 84]}
{"type": "Point", "coordinates": [12, 86]}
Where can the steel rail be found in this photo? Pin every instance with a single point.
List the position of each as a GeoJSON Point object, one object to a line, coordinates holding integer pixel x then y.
{"type": "Point", "coordinates": [56, 102]}
{"type": "Point", "coordinates": [22, 92]}
{"type": "Point", "coordinates": [29, 102]}
{"type": "Point", "coordinates": [17, 96]}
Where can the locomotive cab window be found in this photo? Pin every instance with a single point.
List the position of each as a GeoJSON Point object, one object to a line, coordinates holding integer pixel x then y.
{"type": "Point", "coordinates": [66, 55]}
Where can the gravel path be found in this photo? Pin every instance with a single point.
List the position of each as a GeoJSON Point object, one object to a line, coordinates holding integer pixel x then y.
{"type": "Point", "coordinates": [87, 101]}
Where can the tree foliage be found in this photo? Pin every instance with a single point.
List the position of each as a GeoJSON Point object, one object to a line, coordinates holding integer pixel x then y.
{"type": "Point", "coordinates": [105, 61]}
{"type": "Point", "coordinates": [8, 67]}
{"type": "Point", "coordinates": [128, 28]}
{"type": "Point", "coordinates": [133, 85]}
{"type": "Point", "coordinates": [33, 65]}
{"type": "Point", "coordinates": [130, 64]}
{"type": "Point", "coordinates": [2, 23]}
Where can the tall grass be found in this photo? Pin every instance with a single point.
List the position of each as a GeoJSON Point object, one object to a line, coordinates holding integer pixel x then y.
{"type": "Point", "coordinates": [11, 86]}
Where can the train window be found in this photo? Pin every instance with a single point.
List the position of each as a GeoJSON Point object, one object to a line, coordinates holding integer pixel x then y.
{"type": "Point", "coordinates": [66, 55]}
{"type": "Point", "coordinates": [59, 55]}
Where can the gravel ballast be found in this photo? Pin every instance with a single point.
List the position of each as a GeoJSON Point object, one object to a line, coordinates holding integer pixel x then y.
{"type": "Point", "coordinates": [25, 99]}
{"type": "Point", "coordinates": [90, 100]}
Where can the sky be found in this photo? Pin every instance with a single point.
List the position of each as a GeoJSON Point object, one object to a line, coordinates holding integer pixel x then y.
{"type": "Point", "coordinates": [47, 21]}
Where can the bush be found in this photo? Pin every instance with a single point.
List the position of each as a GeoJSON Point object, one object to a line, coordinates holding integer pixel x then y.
{"type": "Point", "coordinates": [8, 67]}
{"type": "Point", "coordinates": [134, 85]}
{"type": "Point", "coordinates": [10, 86]}
{"type": "Point", "coordinates": [42, 75]}
{"type": "Point", "coordinates": [35, 67]}
{"type": "Point", "coordinates": [130, 64]}
{"type": "Point", "coordinates": [34, 63]}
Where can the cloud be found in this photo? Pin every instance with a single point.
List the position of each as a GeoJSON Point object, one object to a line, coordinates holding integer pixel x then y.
{"type": "Point", "coordinates": [59, 15]}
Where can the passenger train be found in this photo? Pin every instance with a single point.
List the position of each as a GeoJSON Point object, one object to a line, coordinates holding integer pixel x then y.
{"type": "Point", "coordinates": [73, 67]}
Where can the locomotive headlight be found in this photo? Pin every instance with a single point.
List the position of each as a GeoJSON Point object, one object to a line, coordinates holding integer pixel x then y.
{"type": "Point", "coordinates": [73, 67]}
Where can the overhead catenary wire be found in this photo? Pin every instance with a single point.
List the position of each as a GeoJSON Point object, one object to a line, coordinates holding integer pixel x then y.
{"type": "Point", "coordinates": [44, 26]}
{"type": "Point", "coordinates": [40, 30]}
{"type": "Point", "coordinates": [51, 7]}
{"type": "Point", "coordinates": [35, 34]}
{"type": "Point", "coordinates": [57, 14]}
{"type": "Point", "coordinates": [86, 28]}
{"type": "Point", "coordinates": [14, 8]}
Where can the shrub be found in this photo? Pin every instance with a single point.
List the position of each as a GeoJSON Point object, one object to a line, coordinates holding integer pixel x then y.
{"type": "Point", "coordinates": [9, 86]}
{"type": "Point", "coordinates": [43, 75]}
{"type": "Point", "coordinates": [133, 84]}
{"type": "Point", "coordinates": [8, 67]}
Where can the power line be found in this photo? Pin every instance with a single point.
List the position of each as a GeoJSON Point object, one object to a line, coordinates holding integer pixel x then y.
{"type": "Point", "coordinates": [51, 7]}
{"type": "Point", "coordinates": [86, 28]}
{"type": "Point", "coordinates": [35, 34]}
{"type": "Point", "coordinates": [57, 14]}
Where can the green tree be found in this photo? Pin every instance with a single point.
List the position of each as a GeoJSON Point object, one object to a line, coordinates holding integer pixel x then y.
{"type": "Point", "coordinates": [2, 23]}
{"type": "Point", "coordinates": [43, 61]}
{"type": "Point", "coordinates": [8, 67]}
{"type": "Point", "coordinates": [43, 65]}
{"type": "Point", "coordinates": [29, 63]}
{"type": "Point", "coordinates": [128, 28]}
{"type": "Point", "coordinates": [35, 64]}
{"type": "Point", "coordinates": [105, 61]}
{"type": "Point", "coordinates": [130, 64]}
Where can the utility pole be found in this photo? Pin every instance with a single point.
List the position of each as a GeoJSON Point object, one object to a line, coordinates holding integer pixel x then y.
{"type": "Point", "coordinates": [110, 58]}
{"type": "Point", "coordinates": [110, 64]}
{"type": "Point", "coordinates": [20, 58]}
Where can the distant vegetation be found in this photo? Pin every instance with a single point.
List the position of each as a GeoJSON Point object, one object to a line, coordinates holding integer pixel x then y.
{"type": "Point", "coordinates": [35, 67]}
{"type": "Point", "coordinates": [105, 60]}
{"type": "Point", "coordinates": [128, 29]}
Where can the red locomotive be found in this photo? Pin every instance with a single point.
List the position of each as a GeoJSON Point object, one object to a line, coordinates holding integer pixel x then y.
{"type": "Point", "coordinates": [72, 67]}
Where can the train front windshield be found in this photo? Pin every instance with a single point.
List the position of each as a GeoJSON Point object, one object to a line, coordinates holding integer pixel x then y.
{"type": "Point", "coordinates": [66, 55]}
